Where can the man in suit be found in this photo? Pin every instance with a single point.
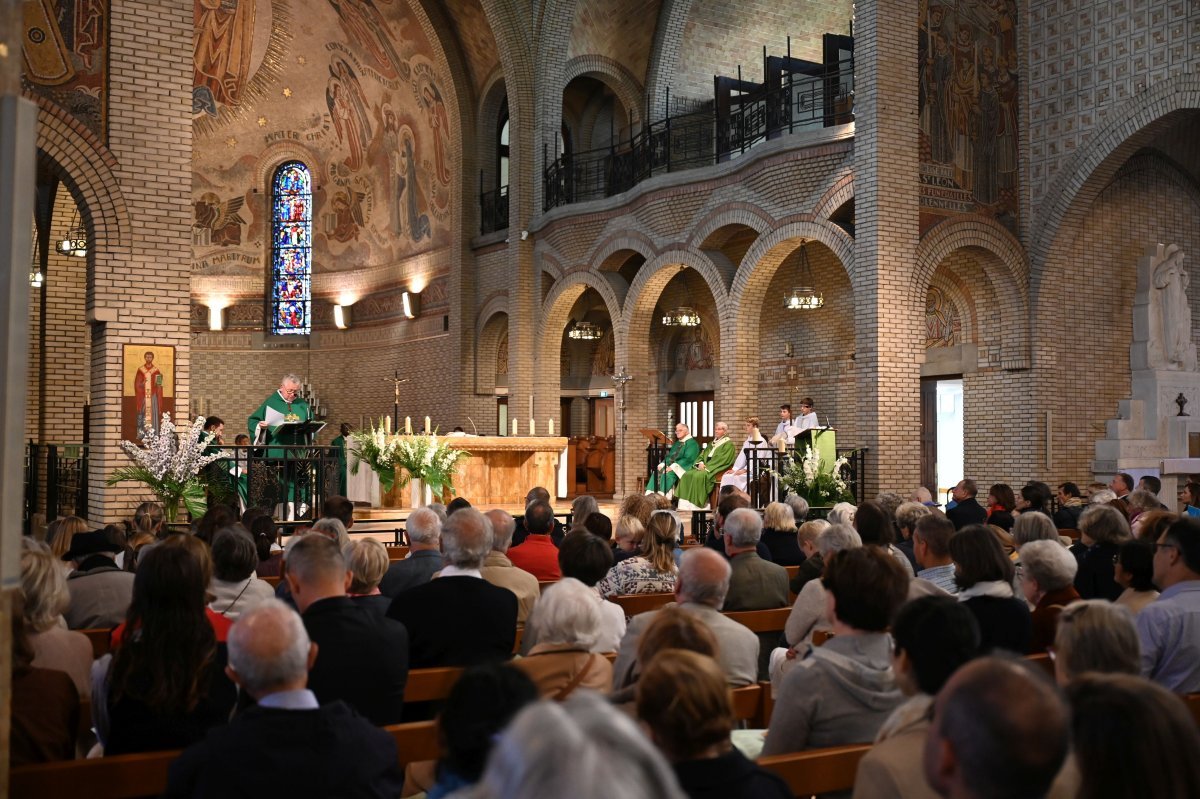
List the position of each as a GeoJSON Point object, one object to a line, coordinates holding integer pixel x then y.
{"type": "Point", "coordinates": [364, 656]}
{"type": "Point", "coordinates": [459, 619]}
{"type": "Point", "coordinates": [287, 745]}
{"type": "Point", "coordinates": [700, 589]}
{"type": "Point", "coordinates": [755, 584]}
{"type": "Point", "coordinates": [537, 494]}
{"type": "Point", "coordinates": [424, 559]}
{"type": "Point", "coordinates": [966, 509]}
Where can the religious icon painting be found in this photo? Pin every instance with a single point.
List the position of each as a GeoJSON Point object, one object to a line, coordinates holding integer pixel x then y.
{"type": "Point", "coordinates": [147, 388]}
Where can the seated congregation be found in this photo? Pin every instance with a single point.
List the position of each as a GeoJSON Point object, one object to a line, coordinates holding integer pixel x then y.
{"type": "Point", "coordinates": [1035, 647]}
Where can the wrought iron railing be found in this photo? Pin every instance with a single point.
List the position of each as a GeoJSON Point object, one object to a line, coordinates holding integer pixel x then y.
{"type": "Point", "coordinates": [493, 210]}
{"type": "Point", "coordinates": [56, 482]}
{"type": "Point", "coordinates": [704, 138]}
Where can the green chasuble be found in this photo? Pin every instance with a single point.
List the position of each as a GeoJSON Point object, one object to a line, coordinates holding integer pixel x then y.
{"type": "Point", "coordinates": [340, 443]}
{"type": "Point", "coordinates": [683, 454]}
{"type": "Point", "coordinates": [696, 486]}
{"type": "Point", "coordinates": [275, 410]}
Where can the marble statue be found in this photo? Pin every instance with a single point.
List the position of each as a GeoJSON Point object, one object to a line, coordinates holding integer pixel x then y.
{"type": "Point", "coordinates": [1171, 337]}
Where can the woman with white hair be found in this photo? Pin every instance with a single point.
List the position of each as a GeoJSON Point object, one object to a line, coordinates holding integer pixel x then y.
{"type": "Point", "coordinates": [842, 513]}
{"type": "Point", "coordinates": [566, 622]}
{"type": "Point", "coordinates": [1047, 579]}
{"type": "Point", "coordinates": [609, 756]}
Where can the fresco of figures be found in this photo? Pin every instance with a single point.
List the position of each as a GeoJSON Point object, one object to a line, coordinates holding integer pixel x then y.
{"type": "Point", "coordinates": [349, 87]}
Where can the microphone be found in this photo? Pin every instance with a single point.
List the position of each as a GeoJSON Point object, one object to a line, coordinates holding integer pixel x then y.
{"type": "Point", "coordinates": [473, 427]}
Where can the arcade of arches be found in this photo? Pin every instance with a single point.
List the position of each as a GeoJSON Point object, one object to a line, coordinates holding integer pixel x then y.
{"type": "Point", "coordinates": [975, 210]}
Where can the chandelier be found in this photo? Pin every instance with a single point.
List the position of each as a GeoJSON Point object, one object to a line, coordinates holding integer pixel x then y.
{"type": "Point", "coordinates": [804, 297]}
{"type": "Point", "coordinates": [683, 316]}
{"type": "Point", "coordinates": [75, 242]}
{"type": "Point", "coordinates": [585, 331]}
{"type": "Point", "coordinates": [36, 278]}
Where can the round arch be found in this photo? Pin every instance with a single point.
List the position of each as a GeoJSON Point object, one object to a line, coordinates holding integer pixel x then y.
{"type": "Point", "coordinates": [612, 74]}
{"type": "Point", "coordinates": [1007, 269]}
{"type": "Point", "coordinates": [1085, 174]}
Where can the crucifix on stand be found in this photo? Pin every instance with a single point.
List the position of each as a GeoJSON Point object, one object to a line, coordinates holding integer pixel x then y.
{"type": "Point", "coordinates": [396, 380]}
{"type": "Point", "coordinates": [620, 378]}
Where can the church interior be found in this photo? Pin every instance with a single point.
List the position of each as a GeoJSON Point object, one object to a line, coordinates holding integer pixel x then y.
{"type": "Point", "coordinates": [951, 223]}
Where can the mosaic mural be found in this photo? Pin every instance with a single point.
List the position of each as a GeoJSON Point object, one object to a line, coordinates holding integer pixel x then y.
{"type": "Point", "coordinates": [967, 94]}
{"type": "Point", "coordinates": [65, 51]}
{"type": "Point", "coordinates": [350, 88]}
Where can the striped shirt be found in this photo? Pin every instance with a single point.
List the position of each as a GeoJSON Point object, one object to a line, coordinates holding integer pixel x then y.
{"type": "Point", "coordinates": [941, 576]}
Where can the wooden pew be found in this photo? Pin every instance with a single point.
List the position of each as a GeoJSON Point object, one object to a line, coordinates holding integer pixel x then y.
{"type": "Point", "coordinates": [817, 771]}
{"type": "Point", "coordinates": [761, 621]}
{"type": "Point", "coordinates": [792, 572]}
{"type": "Point", "coordinates": [397, 553]}
{"type": "Point", "coordinates": [1043, 661]}
{"type": "Point", "coordinates": [271, 581]}
{"type": "Point", "coordinates": [425, 685]}
{"type": "Point", "coordinates": [748, 705]}
{"type": "Point", "coordinates": [135, 776]}
{"type": "Point", "coordinates": [633, 604]}
{"type": "Point", "coordinates": [101, 638]}
{"type": "Point", "coordinates": [1069, 532]}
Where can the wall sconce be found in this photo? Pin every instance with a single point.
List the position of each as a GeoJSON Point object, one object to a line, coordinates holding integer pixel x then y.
{"type": "Point", "coordinates": [412, 304]}
{"type": "Point", "coordinates": [216, 317]}
{"type": "Point", "coordinates": [341, 317]}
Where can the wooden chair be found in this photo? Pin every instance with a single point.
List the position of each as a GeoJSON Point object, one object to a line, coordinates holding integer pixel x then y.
{"type": "Point", "coordinates": [101, 638]}
{"type": "Point", "coordinates": [633, 604]}
{"type": "Point", "coordinates": [818, 771]}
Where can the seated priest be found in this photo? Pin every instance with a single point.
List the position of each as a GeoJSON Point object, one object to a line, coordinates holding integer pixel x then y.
{"type": "Point", "coordinates": [736, 476]}
{"type": "Point", "coordinates": [681, 457]}
{"type": "Point", "coordinates": [696, 485]}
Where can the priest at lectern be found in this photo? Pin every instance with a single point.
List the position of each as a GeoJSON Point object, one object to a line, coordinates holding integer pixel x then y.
{"type": "Point", "coordinates": [284, 407]}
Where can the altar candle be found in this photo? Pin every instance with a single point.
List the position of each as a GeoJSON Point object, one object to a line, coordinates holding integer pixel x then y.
{"type": "Point", "coordinates": [408, 425]}
{"type": "Point", "coordinates": [532, 428]}
{"type": "Point", "coordinates": [387, 425]}
{"type": "Point", "coordinates": [550, 423]}
{"type": "Point", "coordinates": [514, 427]}
{"type": "Point", "coordinates": [427, 428]}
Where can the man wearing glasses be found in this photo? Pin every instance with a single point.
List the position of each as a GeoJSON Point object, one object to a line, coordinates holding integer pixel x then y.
{"type": "Point", "coordinates": [273, 426]}
{"type": "Point", "coordinates": [1169, 627]}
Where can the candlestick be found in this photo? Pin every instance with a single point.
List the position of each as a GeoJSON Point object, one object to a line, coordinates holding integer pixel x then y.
{"type": "Point", "coordinates": [427, 428]}
{"type": "Point", "coordinates": [532, 427]}
{"type": "Point", "coordinates": [514, 427]}
{"type": "Point", "coordinates": [407, 426]}
{"type": "Point", "coordinates": [387, 425]}
{"type": "Point", "coordinates": [531, 407]}
{"type": "Point", "coordinates": [550, 424]}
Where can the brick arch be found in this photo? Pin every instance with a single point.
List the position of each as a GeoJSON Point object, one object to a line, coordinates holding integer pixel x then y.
{"type": "Point", "coordinates": [758, 266]}
{"type": "Point", "coordinates": [840, 192]}
{"type": "Point", "coordinates": [612, 74]}
{"type": "Point", "coordinates": [1085, 174]}
{"type": "Point", "coordinates": [1006, 268]}
{"type": "Point", "coordinates": [491, 325]}
{"type": "Point", "coordinates": [605, 252]}
{"type": "Point", "coordinates": [654, 275]}
{"type": "Point", "coordinates": [743, 214]}
{"type": "Point", "coordinates": [87, 167]}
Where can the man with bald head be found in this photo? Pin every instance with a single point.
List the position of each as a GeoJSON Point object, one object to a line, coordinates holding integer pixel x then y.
{"type": "Point", "coordinates": [499, 570]}
{"type": "Point", "coordinates": [700, 588]}
{"type": "Point", "coordinates": [999, 731]}
{"type": "Point", "coordinates": [459, 619]}
{"type": "Point", "coordinates": [288, 744]}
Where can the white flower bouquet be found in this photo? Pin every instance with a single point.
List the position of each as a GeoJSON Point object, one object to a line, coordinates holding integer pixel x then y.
{"type": "Point", "coordinates": [810, 477]}
{"type": "Point", "coordinates": [422, 458]}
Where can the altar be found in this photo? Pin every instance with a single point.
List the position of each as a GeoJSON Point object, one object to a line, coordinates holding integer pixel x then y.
{"type": "Point", "coordinates": [500, 469]}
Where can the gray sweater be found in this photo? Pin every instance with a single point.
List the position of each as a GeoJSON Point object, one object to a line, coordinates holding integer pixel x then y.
{"type": "Point", "coordinates": [839, 693]}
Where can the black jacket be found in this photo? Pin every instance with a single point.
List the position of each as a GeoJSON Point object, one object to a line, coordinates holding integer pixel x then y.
{"type": "Point", "coordinates": [362, 658]}
{"type": "Point", "coordinates": [967, 512]}
{"type": "Point", "coordinates": [331, 751]}
{"type": "Point", "coordinates": [457, 621]}
{"type": "Point", "coordinates": [729, 776]}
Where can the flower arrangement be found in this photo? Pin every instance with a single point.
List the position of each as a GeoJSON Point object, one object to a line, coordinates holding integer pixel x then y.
{"type": "Point", "coordinates": [811, 478]}
{"type": "Point", "coordinates": [169, 465]}
{"type": "Point", "coordinates": [422, 458]}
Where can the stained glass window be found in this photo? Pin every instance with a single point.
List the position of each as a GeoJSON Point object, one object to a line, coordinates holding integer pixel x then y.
{"type": "Point", "coordinates": [291, 250]}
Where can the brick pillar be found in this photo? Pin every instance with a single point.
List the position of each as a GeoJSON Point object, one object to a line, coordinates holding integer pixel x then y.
{"type": "Point", "coordinates": [141, 294]}
{"type": "Point", "coordinates": [889, 321]}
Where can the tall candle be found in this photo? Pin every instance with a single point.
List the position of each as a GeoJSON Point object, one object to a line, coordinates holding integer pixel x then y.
{"type": "Point", "coordinates": [387, 425]}
{"type": "Point", "coordinates": [514, 427]}
{"type": "Point", "coordinates": [427, 425]}
{"type": "Point", "coordinates": [408, 425]}
{"type": "Point", "coordinates": [532, 427]}
{"type": "Point", "coordinates": [550, 423]}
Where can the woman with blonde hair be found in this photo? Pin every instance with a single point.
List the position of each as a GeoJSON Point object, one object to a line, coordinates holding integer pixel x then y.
{"type": "Point", "coordinates": [46, 598]}
{"type": "Point", "coordinates": [779, 535]}
{"type": "Point", "coordinates": [61, 532]}
{"type": "Point", "coordinates": [367, 562]}
{"type": "Point", "coordinates": [653, 570]}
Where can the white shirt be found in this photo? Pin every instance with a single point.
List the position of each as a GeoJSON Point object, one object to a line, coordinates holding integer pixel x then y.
{"type": "Point", "coordinates": [454, 571]}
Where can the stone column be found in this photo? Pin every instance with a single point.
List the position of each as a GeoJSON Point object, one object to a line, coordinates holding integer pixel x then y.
{"type": "Point", "coordinates": [888, 320]}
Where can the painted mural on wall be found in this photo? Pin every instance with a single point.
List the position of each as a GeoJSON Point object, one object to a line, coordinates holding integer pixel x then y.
{"type": "Point", "coordinates": [943, 323]}
{"type": "Point", "coordinates": [65, 49]}
{"type": "Point", "coordinates": [967, 95]}
{"type": "Point", "coordinates": [348, 86]}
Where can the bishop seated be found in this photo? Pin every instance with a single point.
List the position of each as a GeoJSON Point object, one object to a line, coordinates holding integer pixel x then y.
{"type": "Point", "coordinates": [680, 459]}
{"type": "Point", "coordinates": [696, 485]}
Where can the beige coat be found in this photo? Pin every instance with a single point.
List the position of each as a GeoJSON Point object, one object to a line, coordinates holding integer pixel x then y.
{"type": "Point", "coordinates": [499, 570]}
{"type": "Point", "coordinates": [558, 670]}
